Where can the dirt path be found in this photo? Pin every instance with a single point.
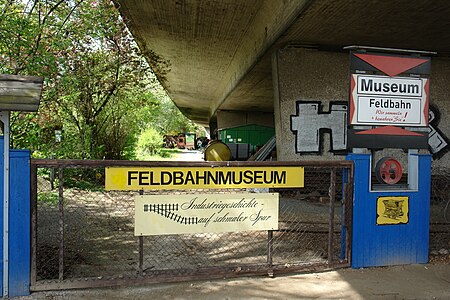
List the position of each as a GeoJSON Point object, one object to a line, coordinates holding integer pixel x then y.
{"type": "Point", "coordinates": [188, 155]}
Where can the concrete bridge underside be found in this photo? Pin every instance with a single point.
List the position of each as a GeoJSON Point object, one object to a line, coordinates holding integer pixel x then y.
{"type": "Point", "coordinates": [214, 56]}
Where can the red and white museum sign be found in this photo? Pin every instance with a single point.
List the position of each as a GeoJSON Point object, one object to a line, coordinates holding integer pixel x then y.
{"type": "Point", "coordinates": [384, 100]}
{"type": "Point", "coordinates": [398, 97]}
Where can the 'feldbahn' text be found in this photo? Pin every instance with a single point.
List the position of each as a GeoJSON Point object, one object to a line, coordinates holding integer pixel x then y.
{"type": "Point", "coordinates": [389, 103]}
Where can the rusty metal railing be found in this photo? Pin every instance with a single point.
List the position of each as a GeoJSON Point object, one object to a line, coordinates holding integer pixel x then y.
{"type": "Point", "coordinates": [82, 235]}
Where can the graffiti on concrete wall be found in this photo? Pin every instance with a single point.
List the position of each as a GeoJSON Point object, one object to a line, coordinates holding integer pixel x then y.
{"type": "Point", "coordinates": [439, 144]}
{"type": "Point", "coordinates": [311, 121]}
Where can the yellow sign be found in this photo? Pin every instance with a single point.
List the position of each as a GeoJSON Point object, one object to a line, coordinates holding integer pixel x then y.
{"type": "Point", "coordinates": [164, 178]}
{"type": "Point", "coordinates": [392, 210]}
{"type": "Point", "coordinates": [182, 214]}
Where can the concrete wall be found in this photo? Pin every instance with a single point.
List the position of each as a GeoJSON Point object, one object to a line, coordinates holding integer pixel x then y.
{"type": "Point", "coordinates": [310, 101]}
{"type": "Point", "coordinates": [228, 119]}
{"type": "Point", "coordinates": [440, 100]}
{"type": "Point", "coordinates": [307, 76]}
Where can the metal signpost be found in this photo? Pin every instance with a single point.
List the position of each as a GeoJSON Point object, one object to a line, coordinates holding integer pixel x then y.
{"type": "Point", "coordinates": [4, 117]}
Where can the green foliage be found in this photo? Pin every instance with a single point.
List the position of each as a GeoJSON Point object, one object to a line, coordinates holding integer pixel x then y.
{"type": "Point", "coordinates": [85, 179]}
{"type": "Point", "coordinates": [98, 89]}
{"type": "Point", "coordinates": [171, 120]}
{"type": "Point", "coordinates": [49, 198]}
{"type": "Point", "coordinates": [149, 143]}
{"type": "Point", "coordinates": [168, 153]}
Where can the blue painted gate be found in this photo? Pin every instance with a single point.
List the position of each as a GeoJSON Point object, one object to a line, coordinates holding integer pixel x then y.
{"type": "Point", "coordinates": [19, 222]}
{"type": "Point", "coordinates": [393, 244]}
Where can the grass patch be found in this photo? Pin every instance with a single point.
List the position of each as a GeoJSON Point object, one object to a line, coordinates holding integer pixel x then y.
{"type": "Point", "coordinates": [161, 154]}
{"type": "Point", "coordinates": [168, 153]}
{"type": "Point", "coordinates": [49, 198]}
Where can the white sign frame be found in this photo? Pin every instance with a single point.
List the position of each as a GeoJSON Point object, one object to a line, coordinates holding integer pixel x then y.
{"type": "Point", "coordinates": [382, 100]}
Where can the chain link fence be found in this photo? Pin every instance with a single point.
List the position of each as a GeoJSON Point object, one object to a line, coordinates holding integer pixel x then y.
{"type": "Point", "coordinates": [83, 236]}
{"type": "Point", "coordinates": [440, 216]}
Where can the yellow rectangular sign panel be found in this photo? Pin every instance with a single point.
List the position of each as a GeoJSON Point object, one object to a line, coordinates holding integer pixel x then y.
{"type": "Point", "coordinates": [392, 210]}
{"type": "Point", "coordinates": [202, 213]}
{"type": "Point", "coordinates": [166, 178]}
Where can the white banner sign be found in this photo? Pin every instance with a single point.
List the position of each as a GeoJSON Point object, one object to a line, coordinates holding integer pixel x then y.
{"type": "Point", "coordinates": [388, 110]}
{"type": "Point", "coordinates": [184, 214]}
{"type": "Point", "coordinates": [384, 100]}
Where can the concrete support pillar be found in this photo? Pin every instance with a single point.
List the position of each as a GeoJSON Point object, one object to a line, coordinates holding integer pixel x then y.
{"type": "Point", "coordinates": [311, 91]}
{"type": "Point", "coordinates": [232, 118]}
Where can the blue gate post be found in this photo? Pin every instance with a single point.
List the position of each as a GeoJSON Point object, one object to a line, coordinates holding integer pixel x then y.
{"type": "Point", "coordinates": [19, 222]}
{"type": "Point", "coordinates": [385, 245]}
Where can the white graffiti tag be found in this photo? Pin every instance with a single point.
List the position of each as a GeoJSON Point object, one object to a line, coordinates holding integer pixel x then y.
{"type": "Point", "coordinates": [310, 121]}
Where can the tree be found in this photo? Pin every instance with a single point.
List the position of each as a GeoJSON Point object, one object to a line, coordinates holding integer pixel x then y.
{"type": "Point", "coordinates": [97, 89]}
{"type": "Point", "coordinates": [167, 118]}
{"type": "Point", "coordinates": [86, 55]}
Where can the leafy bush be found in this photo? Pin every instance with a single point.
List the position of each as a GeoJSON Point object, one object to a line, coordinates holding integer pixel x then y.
{"type": "Point", "coordinates": [85, 179]}
{"type": "Point", "coordinates": [99, 91]}
{"type": "Point", "coordinates": [149, 143]}
{"type": "Point", "coordinates": [49, 198]}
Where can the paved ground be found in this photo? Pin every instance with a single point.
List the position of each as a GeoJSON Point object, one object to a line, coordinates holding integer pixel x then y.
{"type": "Point", "coordinates": [400, 282]}
{"type": "Point", "coordinates": [188, 155]}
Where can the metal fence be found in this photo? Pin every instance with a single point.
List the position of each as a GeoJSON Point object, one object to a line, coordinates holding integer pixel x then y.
{"type": "Point", "coordinates": [440, 216]}
{"type": "Point", "coordinates": [83, 236]}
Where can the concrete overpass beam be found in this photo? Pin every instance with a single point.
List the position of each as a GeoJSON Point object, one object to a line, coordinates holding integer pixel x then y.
{"type": "Point", "coordinates": [268, 23]}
